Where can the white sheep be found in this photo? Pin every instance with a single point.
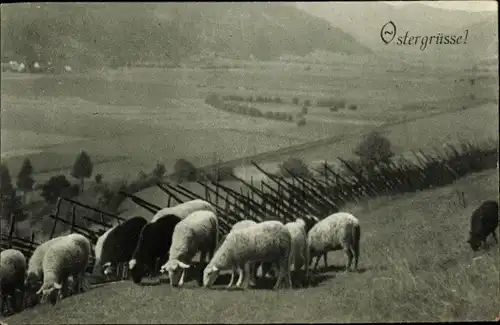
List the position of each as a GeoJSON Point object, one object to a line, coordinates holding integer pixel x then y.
{"type": "Point", "coordinates": [252, 266]}
{"type": "Point", "coordinates": [198, 232]}
{"type": "Point", "coordinates": [300, 249]}
{"type": "Point", "coordinates": [268, 241]}
{"type": "Point", "coordinates": [66, 257]}
{"type": "Point", "coordinates": [338, 231]}
{"type": "Point", "coordinates": [12, 272]}
{"type": "Point", "coordinates": [34, 274]}
{"type": "Point", "coordinates": [184, 209]}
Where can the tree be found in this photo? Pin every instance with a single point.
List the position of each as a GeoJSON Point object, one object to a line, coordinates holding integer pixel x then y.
{"type": "Point", "coordinates": [159, 171]}
{"type": "Point", "coordinates": [24, 178]}
{"type": "Point", "coordinates": [185, 171]}
{"type": "Point", "coordinates": [98, 178]}
{"type": "Point", "coordinates": [7, 193]}
{"type": "Point", "coordinates": [82, 168]}
{"type": "Point", "coordinates": [6, 188]}
{"type": "Point", "coordinates": [295, 166]}
{"type": "Point", "coordinates": [374, 149]}
{"type": "Point", "coordinates": [54, 187]}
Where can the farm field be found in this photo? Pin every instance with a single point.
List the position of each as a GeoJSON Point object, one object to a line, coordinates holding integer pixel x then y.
{"type": "Point", "coordinates": [426, 274]}
{"type": "Point", "coordinates": [130, 119]}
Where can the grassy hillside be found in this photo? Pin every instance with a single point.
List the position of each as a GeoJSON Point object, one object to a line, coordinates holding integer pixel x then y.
{"type": "Point", "coordinates": [414, 266]}
{"type": "Point", "coordinates": [96, 34]}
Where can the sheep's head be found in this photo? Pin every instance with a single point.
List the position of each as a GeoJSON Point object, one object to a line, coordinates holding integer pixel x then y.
{"type": "Point", "coordinates": [474, 242]}
{"type": "Point", "coordinates": [52, 294]}
{"type": "Point", "coordinates": [176, 271]}
{"type": "Point", "coordinates": [108, 269]}
{"type": "Point", "coordinates": [210, 274]}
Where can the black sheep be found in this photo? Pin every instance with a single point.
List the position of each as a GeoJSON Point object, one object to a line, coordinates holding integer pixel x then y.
{"type": "Point", "coordinates": [484, 222]}
{"type": "Point", "coordinates": [152, 247]}
{"type": "Point", "coordinates": [116, 246]}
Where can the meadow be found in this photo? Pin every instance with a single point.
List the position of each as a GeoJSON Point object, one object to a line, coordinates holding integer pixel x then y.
{"type": "Point", "coordinates": [129, 119]}
{"type": "Point", "coordinates": [414, 266]}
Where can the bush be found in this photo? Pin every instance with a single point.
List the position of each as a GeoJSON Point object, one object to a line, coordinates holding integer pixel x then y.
{"type": "Point", "coordinates": [307, 102]}
{"type": "Point", "coordinates": [353, 107]}
{"type": "Point", "coordinates": [213, 100]}
{"type": "Point", "coordinates": [185, 171]}
{"type": "Point", "coordinates": [296, 166]}
{"type": "Point", "coordinates": [373, 149]}
{"type": "Point", "coordinates": [301, 121]}
{"type": "Point", "coordinates": [304, 110]}
{"type": "Point", "coordinates": [295, 101]}
{"type": "Point", "coordinates": [55, 187]}
{"type": "Point", "coordinates": [333, 109]}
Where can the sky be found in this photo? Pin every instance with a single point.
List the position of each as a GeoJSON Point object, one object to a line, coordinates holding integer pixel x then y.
{"type": "Point", "coordinates": [483, 5]}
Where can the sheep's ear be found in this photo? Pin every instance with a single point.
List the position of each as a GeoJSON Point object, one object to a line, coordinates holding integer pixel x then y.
{"type": "Point", "coordinates": [183, 265]}
{"type": "Point", "coordinates": [132, 263]}
{"type": "Point", "coordinates": [57, 286]}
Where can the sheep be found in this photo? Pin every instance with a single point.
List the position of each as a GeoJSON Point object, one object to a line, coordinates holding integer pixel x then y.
{"type": "Point", "coordinates": [300, 249]}
{"type": "Point", "coordinates": [268, 241]}
{"type": "Point", "coordinates": [198, 232]}
{"type": "Point", "coordinates": [184, 209]}
{"type": "Point", "coordinates": [152, 246]}
{"type": "Point", "coordinates": [12, 272]}
{"type": "Point", "coordinates": [484, 221]}
{"type": "Point", "coordinates": [252, 267]}
{"type": "Point", "coordinates": [340, 230]}
{"type": "Point", "coordinates": [66, 257]}
{"type": "Point", "coordinates": [34, 274]}
{"type": "Point", "coordinates": [117, 245]}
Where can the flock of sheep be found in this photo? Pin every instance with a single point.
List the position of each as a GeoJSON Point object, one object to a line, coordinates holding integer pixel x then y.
{"type": "Point", "coordinates": [176, 234]}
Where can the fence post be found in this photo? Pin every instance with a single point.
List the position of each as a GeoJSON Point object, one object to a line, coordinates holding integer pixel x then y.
{"type": "Point", "coordinates": [73, 218]}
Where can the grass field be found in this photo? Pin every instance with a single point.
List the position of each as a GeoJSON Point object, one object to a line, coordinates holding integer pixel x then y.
{"type": "Point", "coordinates": [414, 266]}
{"type": "Point", "coordinates": [128, 119]}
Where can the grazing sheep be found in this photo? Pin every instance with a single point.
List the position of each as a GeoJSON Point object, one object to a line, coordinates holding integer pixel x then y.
{"type": "Point", "coordinates": [66, 257]}
{"type": "Point", "coordinates": [484, 221]}
{"type": "Point", "coordinates": [12, 272]}
{"type": "Point", "coordinates": [340, 230]}
{"type": "Point", "coordinates": [268, 241]}
{"type": "Point", "coordinates": [117, 245]}
{"type": "Point", "coordinates": [184, 209]}
{"type": "Point", "coordinates": [198, 232]}
{"type": "Point", "coordinates": [152, 246]}
{"type": "Point", "coordinates": [252, 266]}
{"type": "Point", "coordinates": [300, 249]}
{"type": "Point", "coordinates": [34, 274]}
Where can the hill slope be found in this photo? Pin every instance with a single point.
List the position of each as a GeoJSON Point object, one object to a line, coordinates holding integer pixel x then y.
{"type": "Point", "coordinates": [95, 33]}
{"type": "Point", "coordinates": [414, 266]}
{"type": "Point", "coordinates": [364, 20]}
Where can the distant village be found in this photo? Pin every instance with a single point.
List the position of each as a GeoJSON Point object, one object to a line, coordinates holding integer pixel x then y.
{"type": "Point", "coordinates": [35, 67]}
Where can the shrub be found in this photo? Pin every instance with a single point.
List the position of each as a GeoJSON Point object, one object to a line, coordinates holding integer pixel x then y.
{"type": "Point", "coordinates": [185, 171]}
{"type": "Point", "coordinates": [353, 107]}
{"type": "Point", "coordinates": [373, 149]}
{"type": "Point", "coordinates": [333, 109]}
{"type": "Point", "coordinates": [301, 121]}
{"type": "Point", "coordinates": [295, 101]}
{"type": "Point", "coordinates": [250, 98]}
{"type": "Point", "coordinates": [296, 166]}
{"type": "Point", "coordinates": [307, 102]}
{"type": "Point", "coordinates": [55, 187]}
{"type": "Point", "coordinates": [304, 110]}
{"type": "Point", "coordinates": [213, 100]}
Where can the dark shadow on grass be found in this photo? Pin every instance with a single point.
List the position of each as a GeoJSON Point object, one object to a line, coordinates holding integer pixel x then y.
{"type": "Point", "coordinates": [339, 268]}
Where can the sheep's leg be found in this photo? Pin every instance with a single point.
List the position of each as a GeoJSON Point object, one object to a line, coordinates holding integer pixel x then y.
{"type": "Point", "coordinates": [349, 254]}
{"type": "Point", "coordinates": [252, 278]}
{"type": "Point", "coordinates": [495, 236]}
{"type": "Point", "coordinates": [233, 275]}
{"type": "Point", "coordinates": [65, 290]}
{"type": "Point", "coordinates": [279, 280]}
{"type": "Point", "coordinates": [241, 276]}
{"type": "Point", "coordinates": [325, 260]}
{"type": "Point", "coordinates": [13, 302]}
